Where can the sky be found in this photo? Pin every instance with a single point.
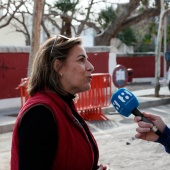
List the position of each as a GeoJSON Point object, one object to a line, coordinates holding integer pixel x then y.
{"type": "Point", "coordinates": [83, 1]}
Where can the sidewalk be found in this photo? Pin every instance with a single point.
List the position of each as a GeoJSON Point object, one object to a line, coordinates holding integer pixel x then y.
{"type": "Point", "coordinates": [9, 108]}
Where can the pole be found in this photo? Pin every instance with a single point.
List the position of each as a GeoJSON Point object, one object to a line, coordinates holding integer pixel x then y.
{"type": "Point", "coordinates": [158, 48]}
{"type": "Point", "coordinates": [158, 51]}
{"type": "Point", "coordinates": [165, 48]}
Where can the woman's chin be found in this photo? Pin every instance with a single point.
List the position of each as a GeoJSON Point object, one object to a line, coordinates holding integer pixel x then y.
{"type": "Point", "coordinates": [86, 88]}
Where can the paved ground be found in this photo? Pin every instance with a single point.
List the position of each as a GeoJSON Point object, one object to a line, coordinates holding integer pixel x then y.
{"type": "Point", "coordinates": [9, 108]}
{"type": "Point", "coordinates": [121, 151]}
{"type": "Point", "coordinates": [139, 86]}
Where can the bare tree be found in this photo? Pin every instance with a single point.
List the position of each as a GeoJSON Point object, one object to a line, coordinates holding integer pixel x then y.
{"type": "Point", "coordinates": [10, 9]}
{"type": "Point", "coordinates": [17, 14]}
{"type": "Point", "coordinates": [22, 28]}
{"type": "Point", "coordinates": [126, 16]}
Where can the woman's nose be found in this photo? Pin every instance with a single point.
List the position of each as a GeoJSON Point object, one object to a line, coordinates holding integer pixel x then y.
{"type": "Point", "coordinates": [90, 67]}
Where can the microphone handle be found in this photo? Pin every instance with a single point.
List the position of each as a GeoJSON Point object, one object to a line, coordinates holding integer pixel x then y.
{"type": "Point", "coordinates": [136, 112]}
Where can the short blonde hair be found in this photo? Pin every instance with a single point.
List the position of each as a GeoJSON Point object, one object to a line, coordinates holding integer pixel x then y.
{"type": "Point", "coordinates": [43, 74]}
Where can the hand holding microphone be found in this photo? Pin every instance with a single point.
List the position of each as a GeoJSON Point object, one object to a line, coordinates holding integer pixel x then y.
{"type": "Point", "coordinates": [126, 103]}
{"type": "Point", "coordinates": [144, 129]}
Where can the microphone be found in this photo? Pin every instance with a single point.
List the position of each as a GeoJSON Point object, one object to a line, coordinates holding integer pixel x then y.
{"type": "Point", "coordinates": [125, 102]}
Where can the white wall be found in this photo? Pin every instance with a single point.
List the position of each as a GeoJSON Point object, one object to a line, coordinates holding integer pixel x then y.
{"type": "Point", "coordinates": [9, 37]}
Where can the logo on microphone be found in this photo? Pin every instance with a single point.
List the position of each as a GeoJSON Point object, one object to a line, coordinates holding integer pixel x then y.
{"type": "Point", "coordinates": [124, 96]}
{"type": "Point", "coordinates": [123, 101]}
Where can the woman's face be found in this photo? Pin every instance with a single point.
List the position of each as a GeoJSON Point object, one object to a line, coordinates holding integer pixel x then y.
{"type": "Point", "coordinates": [76, 73]}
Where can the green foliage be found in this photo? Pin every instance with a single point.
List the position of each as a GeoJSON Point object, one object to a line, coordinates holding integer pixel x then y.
{"type": "Point", "coordinates": [146, 38]}
{"type": "Point", "coordinates": [152, 32]}
{"type": "Point", "coordinates": [147, 43]}
{"type": "Point", "coordinates": [106, 16]}
{"type": "Point", "coordinates": [168, 34]}
{"type": "Point", "coordinates": [66, 5]}
{"type": "Point", "coordinates": [153, 28]}
{"type": "Point", "coordinates": [142, 37]}
{"type": "Point", "coordinates": [128, 36]}
{"type": "Point", "coordinates": [145, 48]}
{"type": "Point", "coordinates": [145, 2]}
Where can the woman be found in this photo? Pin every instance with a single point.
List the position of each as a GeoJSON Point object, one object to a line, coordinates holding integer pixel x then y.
{"type": "Point", "coordinates": [49, 133]}
{"type": "Point", "coordinates": [145, 132]}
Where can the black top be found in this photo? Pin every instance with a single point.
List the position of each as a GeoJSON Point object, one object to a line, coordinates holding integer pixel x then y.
{"type": "Point", "coordinates": [38, 130]}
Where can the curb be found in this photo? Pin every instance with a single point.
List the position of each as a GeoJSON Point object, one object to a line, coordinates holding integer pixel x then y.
{"type": "Point", "coordinates": [6, 128]}
{"type": "Point", "coordinates": [154, 103]}
{"type": "Point", "coordinates": [7, 119]}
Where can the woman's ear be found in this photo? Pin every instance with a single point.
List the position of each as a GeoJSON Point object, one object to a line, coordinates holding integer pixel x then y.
{"type": "Point", "coordinates": [57, 65]}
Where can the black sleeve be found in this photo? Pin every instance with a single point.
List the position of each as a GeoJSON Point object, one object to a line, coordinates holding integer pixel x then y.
{"type": "Point", "coordinates": [164, 139]}
{"type": "Point", "coordinates": [37, 139]}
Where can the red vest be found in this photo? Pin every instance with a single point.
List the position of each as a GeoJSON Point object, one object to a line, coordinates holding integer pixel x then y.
{"type": "Point", "coordinates": [74, 150]}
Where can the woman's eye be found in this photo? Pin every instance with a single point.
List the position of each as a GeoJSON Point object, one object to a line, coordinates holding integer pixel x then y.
{"type": "Point", "coordinates": [81, 59]}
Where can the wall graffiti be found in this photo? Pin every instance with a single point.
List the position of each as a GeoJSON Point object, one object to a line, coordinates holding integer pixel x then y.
{"type": "Point", "coordinates": [4, 68]}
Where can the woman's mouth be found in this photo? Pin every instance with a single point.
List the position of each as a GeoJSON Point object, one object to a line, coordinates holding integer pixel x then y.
{"type": "Point", "coordinates": [90, 78]}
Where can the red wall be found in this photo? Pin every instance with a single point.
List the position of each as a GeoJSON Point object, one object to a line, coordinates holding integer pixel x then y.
{"type": "Point", "coordinates": [143, 66]}
{"type": "Point", "coordinates": [99, 61]}
{"type": "Point", "coordinates": [13, 67]}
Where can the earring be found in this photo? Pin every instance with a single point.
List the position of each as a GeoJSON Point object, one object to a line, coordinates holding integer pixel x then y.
{"type": "Point", "coordinates": [61, 75]}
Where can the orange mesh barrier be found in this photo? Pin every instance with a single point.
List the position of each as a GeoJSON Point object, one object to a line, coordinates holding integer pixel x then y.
{"type": "Point", "coordinates": [23, 90]}
{"type": "Point", "coordinates": [89, 103]}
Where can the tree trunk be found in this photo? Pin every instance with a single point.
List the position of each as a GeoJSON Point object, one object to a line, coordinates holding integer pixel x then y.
{"type": "Point", "coordinates": [36, 29]}
{"type": "Point", "coordinates": [66, 27]}
{"type": "Point", "coordinates": [102, 39]}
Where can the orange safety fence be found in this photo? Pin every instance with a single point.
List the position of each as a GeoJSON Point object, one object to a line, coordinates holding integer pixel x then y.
{"type": "Point", "coordinates": [23, 90]}
{"type": "Point", "coordinates": [89, 103]}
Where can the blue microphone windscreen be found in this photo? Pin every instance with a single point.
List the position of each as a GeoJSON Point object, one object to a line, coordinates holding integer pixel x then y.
{"type": "Point", "coordinates": [124, 101]}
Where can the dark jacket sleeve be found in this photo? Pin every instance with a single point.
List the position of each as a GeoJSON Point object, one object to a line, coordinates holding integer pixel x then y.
{"type": "Point", "coordinates": [164, 139]}
{"type": "Point", "coordinates": [37, 139]}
